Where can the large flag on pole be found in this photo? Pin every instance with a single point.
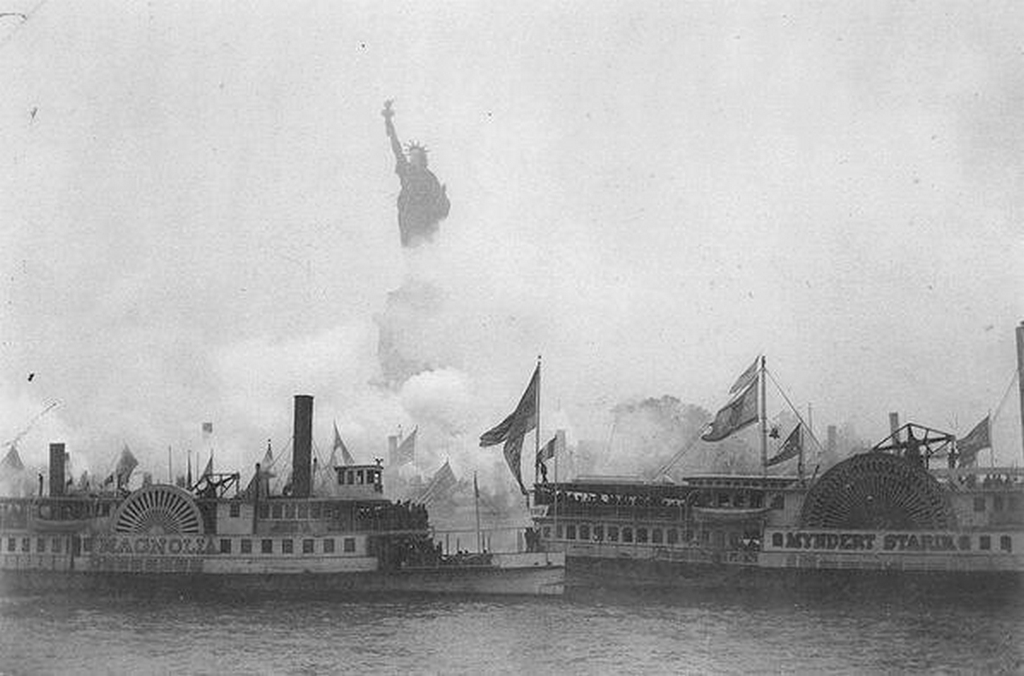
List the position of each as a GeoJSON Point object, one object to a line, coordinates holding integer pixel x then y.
{"type": "Point", "coordinates": [791, 447]}
{"type": "Point", "coordinates": [512, 429]}
{"type": "Point", "coordinates": [977, 439]}
{"type": "Point", "coordinates": [339, 447]}
{"type": "Point", "coordinates": [406, 451]}
{"type": "Point", "coordinates": [440, 486]}
{"type": "Point", "coordinates": [734, 416]}
{"type": "Point", "coordinates": [125, 465]}
{"type": "Point", "coordinates": [747, 377]}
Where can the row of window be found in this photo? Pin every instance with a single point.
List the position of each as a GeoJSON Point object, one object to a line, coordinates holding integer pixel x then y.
{"type": "Point", "coordinates": [267, 546]}
{"type": "Point", "coordinates": [287, 546]}
{"type": "Point", "coordinates": [998, 504]}
{"type": "Point", "coordinates": [291, 510]}
{"type": "Point", "coordinates": [641, 534]}
{"type": "Point", "coordinates": [56, 545]}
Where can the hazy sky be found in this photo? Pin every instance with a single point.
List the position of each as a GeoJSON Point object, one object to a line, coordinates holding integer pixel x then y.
{"type": "Point", "coordinates": [198, 216]}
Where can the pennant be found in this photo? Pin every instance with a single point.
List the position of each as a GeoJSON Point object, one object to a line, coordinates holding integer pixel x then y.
{"type": "Point", "coordinates": [208, 470]}
{"type": "Point", "coordinates": [977, 439]}
{"type": "Point", "coordinates": [12, 461]}
{"type": "Point", "coordinates": [406, 451]}
{"type": "Point", "coordinates": [734, 416]}
{"type": "Point", "coordinates": [339, 445]}
{"type": "Point", "coordinates": [746, 377]}
{"type": "Point", "coordinates": [791, 447]}
{"type": "Point", "coordinates": [547, 451]}
{"type": "Point", "coordinates": [520, 421]}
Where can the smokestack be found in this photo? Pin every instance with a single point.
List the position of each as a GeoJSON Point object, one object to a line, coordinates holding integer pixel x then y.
{"type": "Point", "coordinates": [830, 445]}
{"type": "Point", "coordinates": [894, 424]}
{"type": "Point", "coordinates": [302, 442]}
{"type": "Point", "coordinates": [56, 470]}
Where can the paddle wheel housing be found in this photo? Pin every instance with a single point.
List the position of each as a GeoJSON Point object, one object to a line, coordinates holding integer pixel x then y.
{"type": "Point", "coordinates": [159, 509]}
{"type": "Point", "coordinates": [878, 491]}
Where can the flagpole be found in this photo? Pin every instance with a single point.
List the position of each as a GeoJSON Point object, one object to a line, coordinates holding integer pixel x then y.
{"type": "Point", "coordinates": [764, 422]}
{"type": "Point", "coordinates": [536, 434]}
{"type": "Point", "coordinates": [476, 503]}
{"type": "Point", "coordinates": [170, 471]}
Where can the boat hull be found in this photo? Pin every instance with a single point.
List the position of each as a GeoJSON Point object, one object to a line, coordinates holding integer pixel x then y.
{"type": "Point", "coordinates": [510, 574]}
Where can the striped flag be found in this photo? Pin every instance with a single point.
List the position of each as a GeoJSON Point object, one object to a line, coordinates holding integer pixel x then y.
{"type": "Point", "coordinates": [512, 429]}
{"type": "Point", "coordinates": [791, 448]}
{"type": "Point", "coordinates": [977, 439]}
{"type": "Point", "coordinates": [734, 416]}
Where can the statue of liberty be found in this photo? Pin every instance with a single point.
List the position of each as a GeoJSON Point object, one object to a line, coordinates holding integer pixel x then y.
{"type": "Point", "coordinates": [423, 202]}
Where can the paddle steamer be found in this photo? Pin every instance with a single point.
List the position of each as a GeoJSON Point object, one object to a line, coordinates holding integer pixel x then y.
{"type": "Point", "coordinates": [348, 541]}
{"type": "Point", "coordinates": [906, 515]}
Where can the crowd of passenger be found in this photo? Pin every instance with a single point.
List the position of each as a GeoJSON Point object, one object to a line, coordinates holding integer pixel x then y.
{"type": "Point", "coordinates": [404, 515]}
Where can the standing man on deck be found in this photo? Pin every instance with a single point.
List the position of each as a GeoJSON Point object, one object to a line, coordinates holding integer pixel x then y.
{"type": "Point", "coordinates": [423, 201]}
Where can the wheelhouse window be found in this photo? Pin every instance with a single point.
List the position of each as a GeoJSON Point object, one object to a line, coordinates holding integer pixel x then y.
{"type": "Point", "coordinates": [570, 532]}
{"type": "Point", "coordinates": [776, 539]}
{"type": "Point", "coordinates": [641, 535]}
{"type": "Point", "coordinates": [246, 546]}
{"type": "Point", "coordinates": [267, 546]}
{"type": "Point", "coordinates": [673, 536]}
{"type": "Point", "coordinates": [584, 532]}
{"type": "Point", "coordinates": [627, 534]}
{"type": "Point", "coordinates": [264, 511]}
{"type": "Point", "coordinates": [985, 543]}
{"type": "Point", "coordinates": [289, 510]}
{"type": "Point", "coordinates": [599, 533]}
{"type": "Point", "coordinates": [276, 511]}
{"type": "Point", "coordinates": [559, 531]}
{"type": "Point", "coordinates": [234, 510]}
{"type": "Point", "coordinates": [314, 510]}
{"type": "Point", "coordinates": [1005, 543]}
{"type": "Point", "coordinates": [547, 532]}
{"type": "Point", "coordinates": [307, 546]}
{"type": "Point", "coordinates": [26, 544]}
{"type": "Point", "coordinates": [656, 535]}
{"type": "Point", "coordinates": [349, 545]}
{"type": "Point", "coordinates": [40, 545]}
{"type": "Point", "coordinates": [613, 533]}
{"type": "Point", "coordinates": [12, 544]}
{"type": "Point", "coordinates": [225, 545]}
{"type": "Point", "coordinates": [778, 501]}
{"type": "Point", "coordinates": [328, 545]}
{"type": "Point", "coordinates": [303, 511]}
{"type": "Point", "coordinates": [287, 547]}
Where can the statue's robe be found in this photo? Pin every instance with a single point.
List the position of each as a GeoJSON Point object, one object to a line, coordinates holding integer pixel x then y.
{"type": "Point", "coordinates": [421, 203]}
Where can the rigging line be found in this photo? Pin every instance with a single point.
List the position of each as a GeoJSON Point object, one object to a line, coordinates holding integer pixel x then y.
{"type": "Point", "coordinates": [817, 443]}
{"type": "Point", "coordinates": [25, 18]}
{"type": "Point", "coordinates": [1005, 396]}
{"type": "Point", "coordinates": [663, 470]}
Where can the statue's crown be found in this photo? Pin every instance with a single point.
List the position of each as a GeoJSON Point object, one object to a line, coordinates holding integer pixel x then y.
{"type": "Point", "coordinates": [412, 146]}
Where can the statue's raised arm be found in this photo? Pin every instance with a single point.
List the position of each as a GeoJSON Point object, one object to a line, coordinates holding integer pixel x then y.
{"type": "Point", "coordinates": [389, 129]}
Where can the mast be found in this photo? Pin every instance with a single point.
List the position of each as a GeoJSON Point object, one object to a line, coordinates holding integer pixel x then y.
{"type": "Point", "coordinates": [536, 432]}
{"type": "Point", "coordinates": [1020, 376]}
{"type": "Point", "coordinates": [476, 504]}
{"type": "Point", "coordinates": [764, 421]}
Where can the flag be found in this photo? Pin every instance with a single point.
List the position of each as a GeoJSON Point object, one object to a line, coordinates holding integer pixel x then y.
{"type": "Point", "coordinates": [746, 377]}
{"type": "Point", "coordinates": [734, 416]}
{"type": "Point", "coordinates": [208, 470]}
{"type": "Point", "coordinates": [125, 465]}
{"type": "Point", "coordinates": [406, 451]}
{"type": "Point", "coordinates": [339, 445]}
{"type": "Point", "coordinates": [512, 429]}
{"type": "Point", "coordinates": [977, 439]}
{"type": "Point", "coordinates": [12, 461]}
{"type": "Point", "coordinates": [520, 421]}
{"type": "Point", "coordinates": [547, 451]}
{"type": "Point", "coordinates": [440, 486]}
{"type": "Point", "coordinates": [791, 447]}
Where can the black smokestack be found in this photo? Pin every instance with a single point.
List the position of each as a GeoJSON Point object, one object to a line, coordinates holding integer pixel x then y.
{"type": "Point", "coordinates": [56, 470]}
{"type": "Point", "coordinates": [302, 441]}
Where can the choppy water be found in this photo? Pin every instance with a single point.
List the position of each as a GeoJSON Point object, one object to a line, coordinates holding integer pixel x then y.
{"type": "Point", "coordinates": [534, 636]}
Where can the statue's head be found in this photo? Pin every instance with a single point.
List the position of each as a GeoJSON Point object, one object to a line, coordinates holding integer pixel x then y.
{"type": "Point", "coordinates": [417, 154]}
